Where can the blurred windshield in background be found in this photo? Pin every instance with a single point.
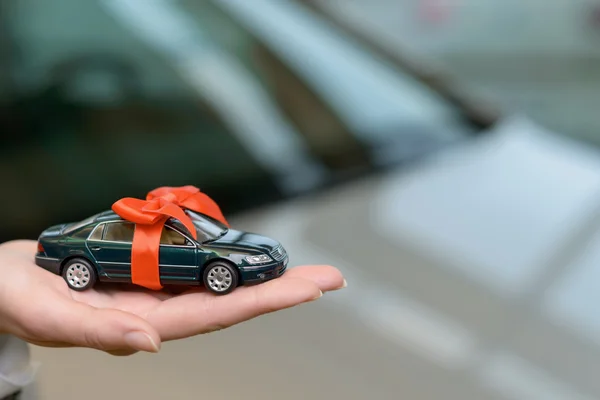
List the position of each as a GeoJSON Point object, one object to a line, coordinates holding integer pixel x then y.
{"type": "Point", "coordinates": [253, 102]}
{"type": "Point", "coordinates": [537, 57]}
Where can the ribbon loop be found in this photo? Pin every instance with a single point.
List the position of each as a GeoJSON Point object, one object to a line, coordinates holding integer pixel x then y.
{"type": "Point", "coordinates": [150, 216]}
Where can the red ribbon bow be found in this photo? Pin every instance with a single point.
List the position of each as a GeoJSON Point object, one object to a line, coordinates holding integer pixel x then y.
{"type": "Point", "coordinates": [150, 216]}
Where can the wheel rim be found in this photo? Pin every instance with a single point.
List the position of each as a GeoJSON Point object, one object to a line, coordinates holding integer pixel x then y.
{"type": "Point", "coordinates": [78, 275]}
{"type": "Point", "coordinates": [219, 278]}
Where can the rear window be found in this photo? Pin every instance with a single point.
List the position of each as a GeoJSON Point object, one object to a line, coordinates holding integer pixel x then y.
{"type": "Point", "coordinates": [70, 228]}
{"type": "Point", "coordinates": [83, 233]}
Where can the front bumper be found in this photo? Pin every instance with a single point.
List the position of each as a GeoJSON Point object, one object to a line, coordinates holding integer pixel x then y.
{"type": "Point", "coordinates": [48, 263]}
{"type": "Point", "coordinates": [264, 273]}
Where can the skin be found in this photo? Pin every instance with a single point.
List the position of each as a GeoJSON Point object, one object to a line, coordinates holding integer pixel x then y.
{"type": "Point", "coordinates": [38, 306]}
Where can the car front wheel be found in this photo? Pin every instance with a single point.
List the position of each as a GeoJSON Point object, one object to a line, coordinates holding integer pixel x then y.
{"type": "Point", "coordinates": [79, 274]}
{"type": "Point", "coordinates": [220, 277]}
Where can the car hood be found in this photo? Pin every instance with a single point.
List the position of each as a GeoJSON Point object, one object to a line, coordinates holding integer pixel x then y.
{"type": "Point", "coordinates": [244, 241]}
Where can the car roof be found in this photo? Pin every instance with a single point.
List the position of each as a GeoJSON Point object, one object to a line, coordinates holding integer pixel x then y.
{"type": "Point", "coordinates": [107, 216]}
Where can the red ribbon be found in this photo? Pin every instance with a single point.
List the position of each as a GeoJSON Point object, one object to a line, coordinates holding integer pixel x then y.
{"type": "Point", "coordinates": [150, 216]}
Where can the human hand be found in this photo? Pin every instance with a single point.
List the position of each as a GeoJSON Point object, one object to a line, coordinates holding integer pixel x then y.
{"type": "Point", "coordinates": [38, 306]}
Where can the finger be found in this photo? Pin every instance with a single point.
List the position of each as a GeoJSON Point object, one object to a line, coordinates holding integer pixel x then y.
{"type": "Point", "coordinates": [121, 353]}
{"type": "Point", "coordinates": [68, 321]}
{"type": "Point", "coordinates": [195, 313]}
{"type": "Point", "coordinates": [56, 345]}
{"type": "Point", "coordinates": [62, 345]}
{"type": "Point", "coordinates": [326, 277]}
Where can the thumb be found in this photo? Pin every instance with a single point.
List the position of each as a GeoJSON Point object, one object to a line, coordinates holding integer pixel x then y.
{"type": "Point", "coordinates": [103, 329]}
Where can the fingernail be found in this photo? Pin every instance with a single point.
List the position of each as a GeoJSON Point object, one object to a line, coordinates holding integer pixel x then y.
{"type": "Point", "coordinates": [318, 296]}
{"type": "Point", "coordinates": [141, 341]}
{"type": "Point", "coordinates": [344, 284]}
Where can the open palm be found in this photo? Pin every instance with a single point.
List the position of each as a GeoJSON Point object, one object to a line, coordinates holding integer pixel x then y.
{"type": "Point", "coordinates": [38, 306]}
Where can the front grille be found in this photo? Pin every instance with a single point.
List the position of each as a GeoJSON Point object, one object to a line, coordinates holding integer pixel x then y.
{"type": "Point", "coordinates": [278, 254]}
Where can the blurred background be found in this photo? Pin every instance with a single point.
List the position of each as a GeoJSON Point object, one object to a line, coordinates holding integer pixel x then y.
{"type": "Point", "coordinates": [442, 153]}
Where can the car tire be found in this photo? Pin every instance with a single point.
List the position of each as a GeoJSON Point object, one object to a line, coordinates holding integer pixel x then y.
{"type": "Point", "coordinates": [79, 274]}
{"type": "Point", "coordinates": [220, 277]}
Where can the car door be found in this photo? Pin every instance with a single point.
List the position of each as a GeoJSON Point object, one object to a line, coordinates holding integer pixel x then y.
{"type": "Point", "coordinates": [178, 258]}
{"type": "Point", "coordinates": [110, 245]}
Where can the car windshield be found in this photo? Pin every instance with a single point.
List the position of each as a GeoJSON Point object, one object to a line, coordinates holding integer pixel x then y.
{"type": "Point", "coordinates": [207, 228]}
{"type": "Point", "coordinates": [523, 55]}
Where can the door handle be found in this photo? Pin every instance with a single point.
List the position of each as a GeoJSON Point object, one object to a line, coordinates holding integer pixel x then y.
{"type": "Point", "coordinates": [95, 248]}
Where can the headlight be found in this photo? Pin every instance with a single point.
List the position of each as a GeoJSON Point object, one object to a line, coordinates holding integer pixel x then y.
{"type": "Point", "coordinates": [262, 258]}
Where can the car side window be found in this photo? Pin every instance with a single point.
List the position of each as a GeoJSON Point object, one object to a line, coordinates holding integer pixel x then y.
{"type": "Point", "coordinates": [172, 237]}
{"type": "Point", "coordinates": [97, 233]}
{"type": "Point", "coordinates": [119, 232]}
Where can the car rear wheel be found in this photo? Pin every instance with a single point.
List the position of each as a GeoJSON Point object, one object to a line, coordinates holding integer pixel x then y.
{"type": "Point", "coordinates": [220, 277]}
{"type": "Point", "coordinates": [79, 274]}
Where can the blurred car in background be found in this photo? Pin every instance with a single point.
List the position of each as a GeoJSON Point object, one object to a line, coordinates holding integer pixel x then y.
{"type": "Point", "coordinates": [471, 259]}
{"type": "Point", "coordinates": [95, 100]}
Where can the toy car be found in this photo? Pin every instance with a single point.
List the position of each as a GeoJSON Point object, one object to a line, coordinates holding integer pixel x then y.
{"type": "Point", "coordinates": [99, 249]}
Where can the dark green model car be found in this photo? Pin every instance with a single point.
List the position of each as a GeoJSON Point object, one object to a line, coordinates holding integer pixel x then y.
{"type": "Point", "coordinates": [99, 249]}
